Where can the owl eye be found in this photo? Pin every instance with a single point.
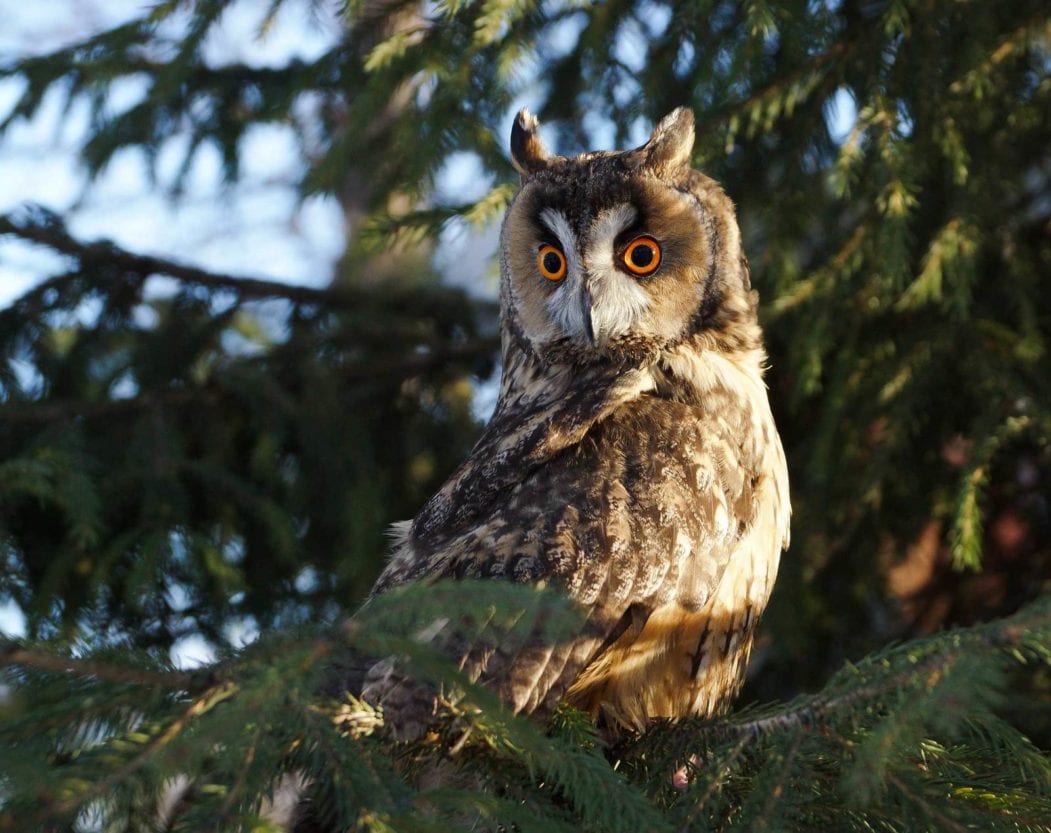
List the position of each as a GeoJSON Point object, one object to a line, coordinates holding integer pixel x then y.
{"type": "Point", "coordinates": [551, 262]}
{"type": "Point", "coordinates": [642, 256]}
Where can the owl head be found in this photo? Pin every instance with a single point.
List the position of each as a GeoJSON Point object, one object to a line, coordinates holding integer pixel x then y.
{"type": "Point", "coordinates": [620, 253]}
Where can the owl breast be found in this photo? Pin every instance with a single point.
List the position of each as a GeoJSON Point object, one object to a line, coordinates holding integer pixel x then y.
{"type": "Point", "coordinates": [665, 523]}
{"type": "Point", "coordinates": [692, 532]}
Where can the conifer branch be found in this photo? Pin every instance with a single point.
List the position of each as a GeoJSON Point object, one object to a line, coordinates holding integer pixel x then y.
{"type": "Point", "coordinates": [430, 357]}
{"type": "Point", "coordinates": [716, 783]}
{"type": "Point", "coordinates": [1035, 27]}
{"type": "Point", "coordinates": [239, 782]}
{"type": "Point", "coordinates": [11, 653]}
{"type": "Point", "coordinates": [810, 712]}
{"type": "Point", "coordinates": [47, 230]}
{"type": "Point", "coordinates": [944, 821]}
{"type": "Point", "coordinates": [236, 74]}
{"type": "Point", "coordinates": [52, 410]}
{"type": "Point", "coordinates": [775, 88]}
{"type": "Point", "coordinates": [206, 701]}
{"type": "Point", "coordinates": [809, 286]}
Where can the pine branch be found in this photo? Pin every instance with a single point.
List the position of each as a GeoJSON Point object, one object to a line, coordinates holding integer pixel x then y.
{"type": "Point", "coordinates": [199, 706]}
{"type": "Point", "coordinates": [429, 358]}
{"type": "Point", "coordinates": [41, 227]}
{"type": "Point", "coordinates": [810, 712]}
{"type": "Point", "coordinates": [775, 89]}
{"type": "Point", "coordinates": [1034, 28]}
{"type": "Point", "coordinates": [58, 410]}
{"type": "Point", "coordinates": [13, 654]}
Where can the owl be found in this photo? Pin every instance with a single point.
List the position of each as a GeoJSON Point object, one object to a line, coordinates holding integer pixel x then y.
{"type": "Point", "coordinates": [632, 460]}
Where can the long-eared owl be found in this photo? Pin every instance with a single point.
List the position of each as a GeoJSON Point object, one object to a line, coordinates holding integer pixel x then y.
{"type": "Point", "coordinates": [632, 459]}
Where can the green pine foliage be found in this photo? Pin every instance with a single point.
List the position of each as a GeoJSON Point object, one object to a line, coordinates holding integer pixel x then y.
{"type": "Point", "coordinates": [182, 451]}
{"type": "Point", "coordinates": [177, 461]}
{"type": "Point", "coordinates": [909, 739]}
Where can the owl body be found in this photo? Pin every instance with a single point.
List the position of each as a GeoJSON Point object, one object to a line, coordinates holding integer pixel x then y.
{"type": "Point", "coordinates": [632, 460]}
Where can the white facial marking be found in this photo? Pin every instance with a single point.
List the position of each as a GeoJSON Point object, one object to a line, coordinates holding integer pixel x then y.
{"type": "Point", "coordinates": [617, 300]}
{"type": "Point", "coordinates": [564, 304]}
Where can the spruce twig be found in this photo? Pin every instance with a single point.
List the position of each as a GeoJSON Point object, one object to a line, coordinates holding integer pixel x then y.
{"type": "Point", "coordinates": [206, 701]}
{"type": "Point", "coordinates": [11, 653]}
{"type": "Point", "coordinates": [808, 712]}
{"type": "Point", "coordinates": [50, 232]}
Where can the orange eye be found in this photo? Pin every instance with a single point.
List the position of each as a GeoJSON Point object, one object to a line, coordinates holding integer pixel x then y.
{"type": "Point", "coordinates": [643, 256]}
{"type": "Point", "coordinates": [551, 263]}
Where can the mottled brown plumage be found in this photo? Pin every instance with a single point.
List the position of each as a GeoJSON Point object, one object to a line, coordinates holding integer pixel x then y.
{"type": "Point", "coordinates": [632, 460]}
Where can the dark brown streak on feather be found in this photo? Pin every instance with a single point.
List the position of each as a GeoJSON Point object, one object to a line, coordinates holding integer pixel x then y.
{"type": "Point", "coordinates": [634, 617]}
{"type": "Point", "coordinates": [698, 654]}
{"type": "Point", "coordinates": [712, 297]}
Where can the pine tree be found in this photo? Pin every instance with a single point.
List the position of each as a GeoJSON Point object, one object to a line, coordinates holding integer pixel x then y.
{"type": "Point", "coordinates": [247, 441]}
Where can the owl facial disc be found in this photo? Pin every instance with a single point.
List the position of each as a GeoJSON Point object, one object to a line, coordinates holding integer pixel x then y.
{"type": "Point", "coordinates": [596, 301]}
{"type": "Point", "coordinates": [616, 255]}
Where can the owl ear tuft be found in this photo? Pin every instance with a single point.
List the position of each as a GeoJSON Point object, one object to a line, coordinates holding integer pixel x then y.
{"type": "Point", "coordinates": [670, 146]}
{"type": "Point", "coordinates": [528, 153]}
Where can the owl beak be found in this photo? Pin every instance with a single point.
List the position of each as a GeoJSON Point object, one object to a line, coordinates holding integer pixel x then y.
{"type": "Point", "coordinates": [592, 326]}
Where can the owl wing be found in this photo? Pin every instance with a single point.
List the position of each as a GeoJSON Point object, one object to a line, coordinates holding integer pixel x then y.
{"type": "Point", "coordinates": [644, 511]}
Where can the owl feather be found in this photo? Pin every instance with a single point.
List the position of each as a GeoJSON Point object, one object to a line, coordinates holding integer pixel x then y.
{"type": "Point", "coordinates": [632, 460]}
